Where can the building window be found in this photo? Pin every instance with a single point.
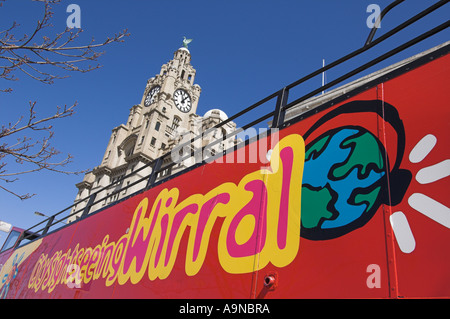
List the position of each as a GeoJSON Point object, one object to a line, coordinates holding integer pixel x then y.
{"type": "Point", "coordinates": [175, 123]}
{"type": "Point", "coordinates": [163, 146]}
{"type": "Point", "coordinates": [129, 150]}
{"type": "Point", "coordinates": [157, 126]}
{"type": "Point", "coordinates": [147, 123]}
{"type": "Point", "coordinates": [142, 139]}
{"type": "Point", "coordinates": [153, 142]}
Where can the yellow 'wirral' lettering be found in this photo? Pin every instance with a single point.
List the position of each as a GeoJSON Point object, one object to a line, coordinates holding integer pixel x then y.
{"type": "Point", "coordinates": [261, 218]}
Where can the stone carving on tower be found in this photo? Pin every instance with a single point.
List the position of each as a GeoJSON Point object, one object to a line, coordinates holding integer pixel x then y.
{"type": "Point", "coordinates": [167, 111]}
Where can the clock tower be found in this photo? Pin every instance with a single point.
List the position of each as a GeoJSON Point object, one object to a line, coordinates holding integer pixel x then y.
{"type": "Point", "coordinates": [168, 106]}
{"type": "Point", "coordinates": [169, 102]}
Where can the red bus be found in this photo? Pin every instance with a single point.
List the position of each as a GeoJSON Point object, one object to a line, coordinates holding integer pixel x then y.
{"type": "Point", "coordinates": [352, 203]}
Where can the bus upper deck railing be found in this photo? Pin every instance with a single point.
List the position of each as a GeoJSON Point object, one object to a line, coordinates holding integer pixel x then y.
{"type": "Point", "coordinates": [277, 120]}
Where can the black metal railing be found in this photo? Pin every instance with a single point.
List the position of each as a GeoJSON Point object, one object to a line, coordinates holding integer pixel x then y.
{"type": "Point", "coordinates": [277, 117]}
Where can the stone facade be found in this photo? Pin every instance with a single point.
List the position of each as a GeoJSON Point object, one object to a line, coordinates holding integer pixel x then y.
{"type": "Point", "coordinates": [166, 114]}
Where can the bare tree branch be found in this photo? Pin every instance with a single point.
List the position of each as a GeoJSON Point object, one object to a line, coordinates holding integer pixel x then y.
{"type": "Point", "coordinates": [44, 58]}
{"type": "Point", "coordinates": [60, 52]}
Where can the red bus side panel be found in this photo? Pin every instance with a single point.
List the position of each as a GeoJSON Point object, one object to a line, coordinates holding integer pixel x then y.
{"type": "Point", "coordinates": [353, 203]}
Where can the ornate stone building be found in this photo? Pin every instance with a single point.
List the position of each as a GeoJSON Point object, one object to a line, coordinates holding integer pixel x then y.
{"type": "Point", "coordinates": [154, 127]}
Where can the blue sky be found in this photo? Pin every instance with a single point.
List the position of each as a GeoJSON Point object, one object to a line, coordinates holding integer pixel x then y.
{"type": "Point", "coordinates": [242, 50]}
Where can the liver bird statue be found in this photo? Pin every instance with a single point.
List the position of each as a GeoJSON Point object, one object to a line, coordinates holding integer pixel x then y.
{"type": "Point", "coordinates": [186, 42]}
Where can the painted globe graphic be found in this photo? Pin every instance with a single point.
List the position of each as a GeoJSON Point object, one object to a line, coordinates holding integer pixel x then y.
{"type": "Point", "coordinates": [342, 182]}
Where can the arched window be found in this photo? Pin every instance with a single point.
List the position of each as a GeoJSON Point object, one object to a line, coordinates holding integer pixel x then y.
{"type": "Point", "coordinates": [126, 148]}
{"type": "Point", "coordinates": [176, 122]}
{"type": "Point", "coordinates": [129, 150]}
{"type": "Point", "coordinates": [157, 126]}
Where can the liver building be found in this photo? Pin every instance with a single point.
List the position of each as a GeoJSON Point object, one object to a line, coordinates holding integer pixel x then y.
{"type": "Point", "coordinates": [154, 126]}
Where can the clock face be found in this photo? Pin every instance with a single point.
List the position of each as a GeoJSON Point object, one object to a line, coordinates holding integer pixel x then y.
{"type": "Point", "coordinates": [151, 96]}
{"type": "Point", "coordinates": [182, 100]}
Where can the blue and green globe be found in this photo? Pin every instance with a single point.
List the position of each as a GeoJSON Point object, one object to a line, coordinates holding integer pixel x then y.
{"type": "Point", "coordinates": [342, 182]}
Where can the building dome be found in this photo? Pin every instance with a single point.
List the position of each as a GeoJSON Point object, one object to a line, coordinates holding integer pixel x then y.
{"type": "Point", "coordinates": [184, 49]}
{"type": "Point", "coordinates": [220, 113]}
